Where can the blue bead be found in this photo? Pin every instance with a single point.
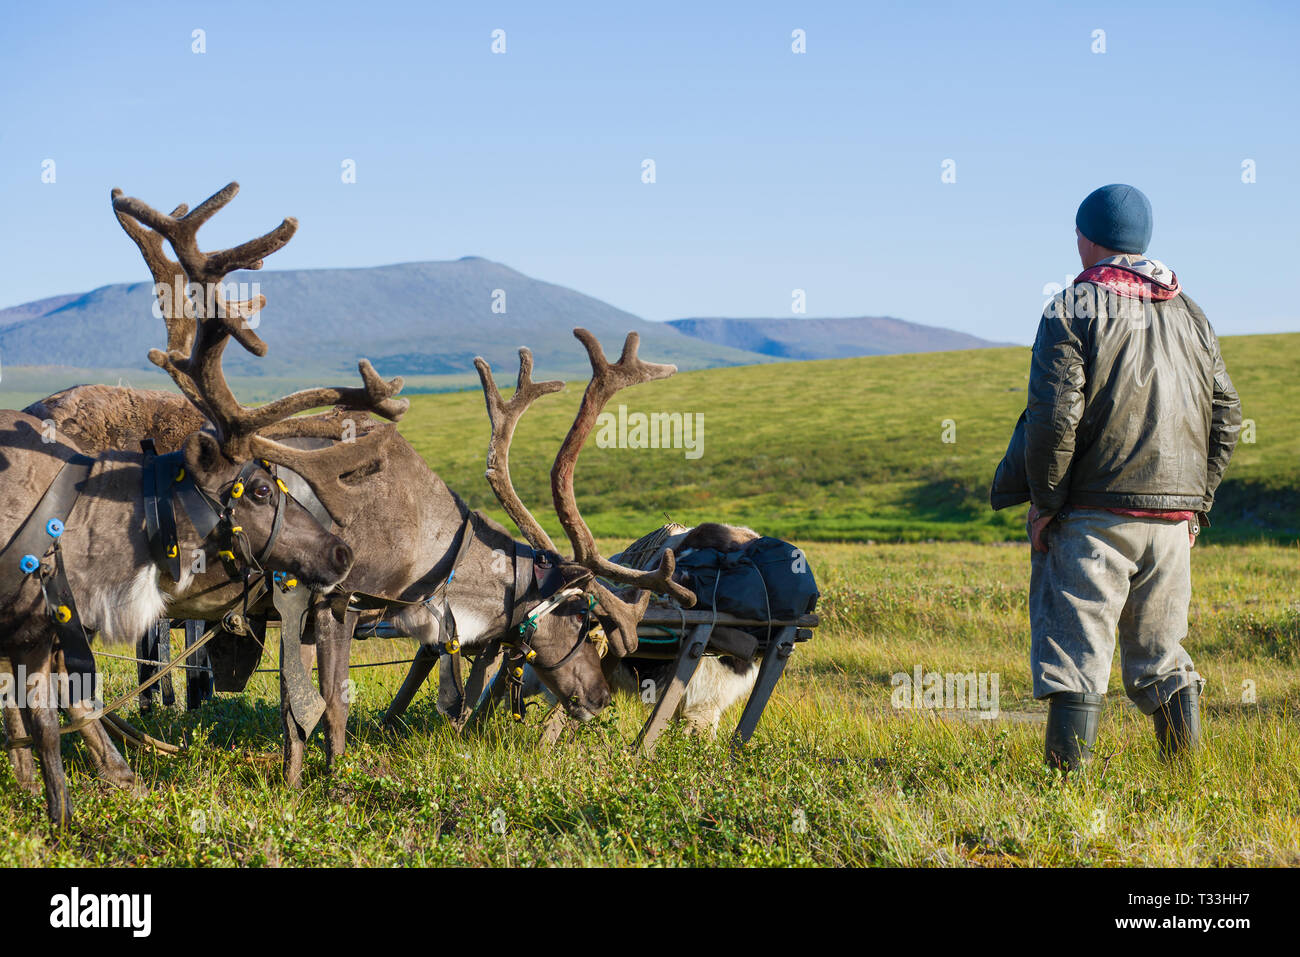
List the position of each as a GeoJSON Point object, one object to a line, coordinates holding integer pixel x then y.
{"type": "Point", "coordinates": [54, 528]}
{"type": "Point", "coordinates": [28, 564]}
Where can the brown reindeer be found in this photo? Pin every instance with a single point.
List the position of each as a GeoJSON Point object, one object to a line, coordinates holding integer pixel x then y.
{"type": "Point", "coordinates": [120, 587]}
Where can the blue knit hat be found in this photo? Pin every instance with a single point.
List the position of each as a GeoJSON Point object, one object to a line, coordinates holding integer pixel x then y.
{"type": "Point", "coordinates": [1117, 217]}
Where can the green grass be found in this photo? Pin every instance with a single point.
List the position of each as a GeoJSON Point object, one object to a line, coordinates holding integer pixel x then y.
{"type": "Point", "coordinates": [830, 455]}
{"type": "Point", "coordinates": [848, 450]}
{"type": "Point", "coordinates": [834, 776]}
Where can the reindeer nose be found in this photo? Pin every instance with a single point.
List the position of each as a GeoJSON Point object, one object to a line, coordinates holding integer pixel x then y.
{"type": "Point", "coordinates": [341, 557]}
{"type": "Point", "coordinates": [600, 697]}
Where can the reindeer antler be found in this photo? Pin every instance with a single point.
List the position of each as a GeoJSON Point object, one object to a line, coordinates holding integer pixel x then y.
{"type": "Point", "coordinates": [180, 229]}
{"type": "Point", "coordinates": [197, 334]}
{"type": "Point", "coordinates": [607, 380]}
{"type": "Point", "coordinates": [504, 416]}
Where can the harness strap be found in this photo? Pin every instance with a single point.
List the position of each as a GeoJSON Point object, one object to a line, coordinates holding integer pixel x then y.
{"type": "Point", "coordinates": [525, 562]}
{"type": "Point", "coordinates": [451, 681]}
{"type": "Point", "coordinates": [277, 523]}
{"type": "Point", "coordinates": [23, 554]}
{"type": "Point", "coordinates": [77, 657]}
{"type": "Point", "coordinates": [363, 601]}
{"type": "Point", "coordinates": [159, 516]}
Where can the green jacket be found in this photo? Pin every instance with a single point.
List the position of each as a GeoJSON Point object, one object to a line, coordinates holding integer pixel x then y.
{"type": "Point", "coordinates": [1130, 405]}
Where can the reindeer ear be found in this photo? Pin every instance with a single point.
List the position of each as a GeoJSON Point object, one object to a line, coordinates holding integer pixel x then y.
{"type": "Point", "coordinates": [202, 455]}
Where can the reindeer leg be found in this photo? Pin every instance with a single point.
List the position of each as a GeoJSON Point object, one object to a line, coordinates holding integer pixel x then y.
{"type": "Point", "coordinates": [333, 646]}
{"type": "Point", "coordinates": [20, 759]}
{"type": "Point", "coordinates": [42, 714]}
{"type": "Point", "coordinates": [425, 658]}
{"type": "Point", "coordinates": [104, 757]}
{"type": "Point", "coordinates": [295, 738]}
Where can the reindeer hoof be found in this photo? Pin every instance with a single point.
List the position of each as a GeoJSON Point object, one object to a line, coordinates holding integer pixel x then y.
{"type": "Point", "coordinates": [123, 778]}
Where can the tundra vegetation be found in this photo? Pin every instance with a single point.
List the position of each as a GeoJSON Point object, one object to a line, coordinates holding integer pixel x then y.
{"type": "Point", "coordinates": [836, 775]}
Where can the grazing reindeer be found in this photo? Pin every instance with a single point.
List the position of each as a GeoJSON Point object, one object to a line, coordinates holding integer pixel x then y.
{"type": "Point", "coordinates": [720, 681]}
{"type": "Point", "coordinates": [597, 608]}
{"type": "Point", "coordinates": [104, 554]}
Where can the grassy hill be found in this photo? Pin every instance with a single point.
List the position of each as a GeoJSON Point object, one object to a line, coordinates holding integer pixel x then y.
{"type": "Point", "coordinates": [847, 449]}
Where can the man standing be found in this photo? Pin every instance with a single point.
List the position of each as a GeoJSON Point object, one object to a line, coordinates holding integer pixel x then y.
{"type": "Point", "coordinates": [1130, 423]}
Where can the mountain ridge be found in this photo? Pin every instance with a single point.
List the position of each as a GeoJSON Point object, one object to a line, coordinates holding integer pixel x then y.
{"type": "Point", "coordinates": [415, 318]}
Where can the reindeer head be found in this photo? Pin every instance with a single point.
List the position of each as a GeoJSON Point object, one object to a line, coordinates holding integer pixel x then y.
{"type": "Point", "coordinates": [578, 681]}
{"type": "Point", "coordinates": [232, 466]}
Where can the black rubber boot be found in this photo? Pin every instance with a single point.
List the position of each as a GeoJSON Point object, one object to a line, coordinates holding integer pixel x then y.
{"type": "Point", "coordinates": [1178, 722]}
{"type": "Point", "coordinates": [1072, 720]}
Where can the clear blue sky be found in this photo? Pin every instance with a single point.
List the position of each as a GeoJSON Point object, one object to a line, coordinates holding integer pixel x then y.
{"type": "Point", "coordinates": [775, 171]}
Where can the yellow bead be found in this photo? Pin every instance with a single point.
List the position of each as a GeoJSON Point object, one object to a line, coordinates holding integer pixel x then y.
{"type": "Point", "coordinates": [64, 614]}
{"type": "Point", "coordinates": [237, 490]}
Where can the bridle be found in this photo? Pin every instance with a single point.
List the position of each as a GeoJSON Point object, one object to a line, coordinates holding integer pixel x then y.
{"type": "Point", "coordinates": [166, 480]}
{"type": "Point", "coordinates": [519, 637]}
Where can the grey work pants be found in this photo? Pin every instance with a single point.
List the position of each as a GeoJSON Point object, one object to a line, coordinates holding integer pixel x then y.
{"type": "Point", "coordinates": [1102, 575]}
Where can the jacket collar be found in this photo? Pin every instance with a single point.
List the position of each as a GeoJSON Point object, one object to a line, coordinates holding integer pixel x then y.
{"type": "Point", "coordinates": [1135, 277]}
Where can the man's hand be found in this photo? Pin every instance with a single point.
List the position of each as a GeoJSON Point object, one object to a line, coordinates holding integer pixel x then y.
{"type": "Point", "coordinates": [1038, 522]}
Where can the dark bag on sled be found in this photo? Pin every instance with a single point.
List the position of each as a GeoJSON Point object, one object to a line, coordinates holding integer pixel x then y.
{"type": "Point", "coordinates": [767, 579]}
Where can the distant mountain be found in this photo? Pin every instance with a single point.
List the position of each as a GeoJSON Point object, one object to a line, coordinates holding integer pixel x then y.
{"type": "Point", "coordinates": [33, 310]}
{"type": "Point", "coordinates": [828, 338]}
{"type": "Point", "coordinates": [426, 317]}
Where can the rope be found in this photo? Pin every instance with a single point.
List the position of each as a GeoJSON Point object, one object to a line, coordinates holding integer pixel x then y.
{"type": "Point", "coordinates": [148, 661]}
{"type": "Point", "coordinates": [364, 664]}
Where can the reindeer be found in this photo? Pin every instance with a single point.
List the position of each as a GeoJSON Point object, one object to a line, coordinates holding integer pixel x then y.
{"type": "Point", "coordinates": [103, 554]}
{"type": "Point", "coordinates": [407, 530]}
